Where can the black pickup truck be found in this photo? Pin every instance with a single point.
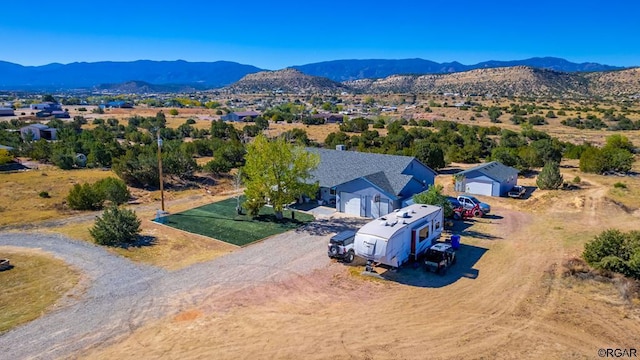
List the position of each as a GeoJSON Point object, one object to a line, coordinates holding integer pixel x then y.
{"type": "Point", "coordinates": [517, 192]}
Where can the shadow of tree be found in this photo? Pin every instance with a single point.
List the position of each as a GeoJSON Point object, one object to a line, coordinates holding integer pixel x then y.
{"type": "Point", "coordinates": [142, 241]}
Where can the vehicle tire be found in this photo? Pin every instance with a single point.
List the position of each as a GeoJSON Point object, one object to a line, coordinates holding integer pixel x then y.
{"type": "Point", "coordinates": [333, 250]}
{"type": "Point", "coordinates": [477, 213]}
{"type": "Point", "coordinates": [350, 257]}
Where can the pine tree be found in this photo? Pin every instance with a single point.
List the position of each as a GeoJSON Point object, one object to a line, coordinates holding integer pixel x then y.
{"type": "Point", "coordinates": [116, 227]}
{"type": "Point", "coordinates": [550, 177]}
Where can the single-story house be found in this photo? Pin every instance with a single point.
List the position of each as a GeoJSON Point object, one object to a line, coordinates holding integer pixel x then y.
{"type": "Point", "coordinates": [50, 106]}
{"type": "Point", "coordinates": [329, 118]}
{"type": "Point", "coordinates": [240, 116]}
{"type": "Point", "coordinates": [39, 131]}
{"type": "Point", "coordinates": [490, 179]}
{"type": "Point", "coordinates": [6, 112]}
{"type": "Point", "coordinates": [368, 184]}
{"type": "Point", "coordinates": [58, 114]}
{"type": "Point", "coordinates": [117, 104]}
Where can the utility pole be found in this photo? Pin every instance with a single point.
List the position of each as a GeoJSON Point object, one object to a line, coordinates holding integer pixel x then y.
{"type": "Point", "coordinates": [160, 169]}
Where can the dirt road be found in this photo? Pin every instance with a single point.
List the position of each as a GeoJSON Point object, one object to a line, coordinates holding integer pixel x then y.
{"type": "Point", "coordinates": [120, 296]}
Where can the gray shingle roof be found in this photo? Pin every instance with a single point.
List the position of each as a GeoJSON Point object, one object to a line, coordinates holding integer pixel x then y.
{"type": "Point", "coordinates": [495, 170]}
{"type": "Point", "coordinates": [385, 171]}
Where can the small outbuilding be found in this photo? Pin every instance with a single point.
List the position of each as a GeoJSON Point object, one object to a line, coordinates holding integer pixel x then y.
{"type": "Point", "coordinates": [38, 131]}
{"type": "Point", "coordinates": [489, 179]}
{"type": "Point", "coordinates": [241, 116]}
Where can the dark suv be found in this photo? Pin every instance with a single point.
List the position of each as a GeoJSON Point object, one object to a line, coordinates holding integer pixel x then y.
{"type": "Point", "coordinates": [341, 246]}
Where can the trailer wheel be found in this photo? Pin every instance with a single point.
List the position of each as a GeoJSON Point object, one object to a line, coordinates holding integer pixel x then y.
{"type": "Point", "coordinates": [477, 213]}
{"type": "Point", "coordinates": [350, 257]}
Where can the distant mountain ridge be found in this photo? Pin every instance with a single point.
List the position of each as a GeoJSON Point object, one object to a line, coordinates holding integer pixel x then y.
{"type": "Point", "coordinates": [208, 75]}
{"type": "Point", "coordinates": [346, 70]}
{"type": "Point", "coordinates": [87, 75]}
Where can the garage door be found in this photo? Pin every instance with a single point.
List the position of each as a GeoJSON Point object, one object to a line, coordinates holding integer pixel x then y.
{"type": "Point", "coordinates": [350, 203]}
{"type": "Point", "coordinates": [378, 208]}
{"type": "Point", "coordinates": [479, 188]}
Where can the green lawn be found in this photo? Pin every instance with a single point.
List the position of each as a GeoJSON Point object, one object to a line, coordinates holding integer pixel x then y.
{"type": "Point", "coordinates": [220, 221]}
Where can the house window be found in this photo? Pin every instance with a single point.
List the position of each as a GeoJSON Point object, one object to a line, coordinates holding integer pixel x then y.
{"type": "Point", "coordinates": [423, 234]}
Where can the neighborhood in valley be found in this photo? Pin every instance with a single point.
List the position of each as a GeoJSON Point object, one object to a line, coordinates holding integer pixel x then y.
{"type": "Point", "coordinates": [356, 209]}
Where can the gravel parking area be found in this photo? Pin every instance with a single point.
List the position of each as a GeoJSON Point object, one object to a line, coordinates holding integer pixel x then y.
{"type": "Point", "coordinates": [121, 296]}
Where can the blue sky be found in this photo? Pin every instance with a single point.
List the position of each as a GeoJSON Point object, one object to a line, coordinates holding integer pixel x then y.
{"type": "Point", "coordinates": [273, 35]}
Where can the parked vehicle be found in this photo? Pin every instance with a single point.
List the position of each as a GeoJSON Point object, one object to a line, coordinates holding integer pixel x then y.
{"type": "Point", "coordinates": [394, 238]}
{"type": "Point", "coordinates": [517, 192]}
{"type": "Point", "coordinates": [341, 246]}
{"type": "Point", "coordinates": [469, 202]}
{"type": "Point", "coordinates": [462, 213]}
{"type": "Point", "coordinates": [439, 257]}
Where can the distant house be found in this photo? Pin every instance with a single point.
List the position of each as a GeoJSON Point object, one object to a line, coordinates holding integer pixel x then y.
{"type": "Point", "coordinates": [490, 179]}
{"type": "Point", "coordinates": [39, 131]}
{"type": "Point", "coordinates": [6, 112]}
{"type": "Point", "coordinates": [329, 118]}
{"type": "Point", "coordinates": [368, 184]}
{"type": "Point", "coordinates": [47, 106]}
{"type": "Point", "coordinates": [240, 116]}
{"type": "Point", "coordinates": [58, 114]}
{"type": "Point", "coordinates": [121, 104]}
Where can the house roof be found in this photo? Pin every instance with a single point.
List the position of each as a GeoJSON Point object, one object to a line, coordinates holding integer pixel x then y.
{"type": "Point", "coordinates": [246, 113]}
{"type": "Point", "coordinates": [37, 126]}
{"type": "Point", "coordinates": [495, 170]}
{"type": "Point", "coordinates": [384, 171]}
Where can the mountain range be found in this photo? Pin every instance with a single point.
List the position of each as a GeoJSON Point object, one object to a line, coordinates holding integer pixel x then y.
{"type": "Point", "coordinates": [503, 81]}
{"type": "Point", "coordinates": [208, 75]}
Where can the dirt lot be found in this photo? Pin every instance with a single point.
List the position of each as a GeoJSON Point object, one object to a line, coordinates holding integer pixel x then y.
{"type": "Point", "coordinates": [505, 299]}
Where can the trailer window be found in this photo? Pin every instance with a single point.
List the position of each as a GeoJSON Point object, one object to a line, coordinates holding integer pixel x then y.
{"type": "Point", "coordinates": [423, 234]}
{"type": "Point", "coordinates": [437, 225]}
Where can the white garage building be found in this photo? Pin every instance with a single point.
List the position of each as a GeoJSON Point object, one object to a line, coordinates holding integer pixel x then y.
{"type": "Point", "coordinates": [489, 179]}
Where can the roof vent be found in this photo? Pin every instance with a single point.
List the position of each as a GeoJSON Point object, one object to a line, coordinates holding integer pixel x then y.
{"type": "Point", "coordinates": [341, 147]}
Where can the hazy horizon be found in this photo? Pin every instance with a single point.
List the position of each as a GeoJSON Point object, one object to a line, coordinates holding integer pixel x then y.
{"type": "Point", "coordinates": [277, 35]}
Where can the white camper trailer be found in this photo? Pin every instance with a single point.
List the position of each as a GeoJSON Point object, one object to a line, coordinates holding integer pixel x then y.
{"type": "Point", "coordinates": [392, 239]}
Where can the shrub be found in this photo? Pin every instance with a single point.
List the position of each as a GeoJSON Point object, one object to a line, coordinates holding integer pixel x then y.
{"type": "Point", "coordinates": [550, 177]}
{"type": "Point", "coordinates": [620, 185]}
{"type": "Point", "coordinates": [114, 190]}
{"type": "Point", "coordinates": [433, 196]}
{"type": "Point", "coordinates": [84, 197]}
{"type": "Point", "coordinates": [615, 251]}
{"type": "Point", "coordinates": [577, 180]}
{"type": "Point", "coordinates": [44, 194]}
{"type": "Point", "coordinates": [116, 227]}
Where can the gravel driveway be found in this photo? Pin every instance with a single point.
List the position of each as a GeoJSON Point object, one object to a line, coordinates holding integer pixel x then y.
{"type": "Point", "coordinates": [121, 295]}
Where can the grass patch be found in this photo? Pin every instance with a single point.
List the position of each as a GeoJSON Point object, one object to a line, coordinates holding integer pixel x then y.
{"type": "Point", "coordinates": [22, 193]}
{"type": "Point", "coordinates": [35, 283]}
{"type": "Point", "coordinates": [220, 221]}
